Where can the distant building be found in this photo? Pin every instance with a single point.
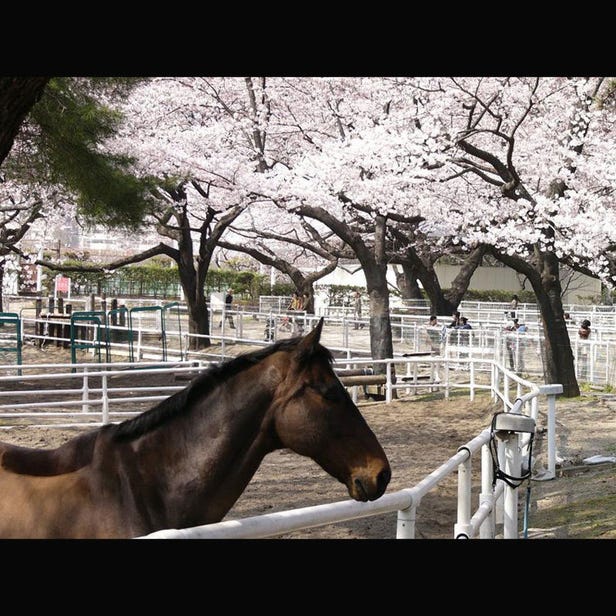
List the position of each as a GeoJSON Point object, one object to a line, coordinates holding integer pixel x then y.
{"type": "Point", "coordinates": [577, 288]}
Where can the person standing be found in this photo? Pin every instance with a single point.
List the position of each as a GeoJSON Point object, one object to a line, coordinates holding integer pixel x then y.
{"type": "Point", "coordinates": [584, 349]}
{"type": "Point", "coordinates": [455, 320]}
{"type": "Point", "coordinates": [288, 323]}
{"type": "Point", "coordinates": [464, 324]}
{"type": "Point", "coordinates": [463, 337]}
{"type": "Point", "coordinates": [584, 331]}
{"type": "Point", "coordinates": [520, 328]}
{"type": "Point", "coordinates": [513, 306]}
{"type": "Point", "coordinates": [298, 325]}
{"type": "Point", "coordinates": [227, 310]}
{"type": "Point", "coordinates": [510, 343]}
{"type": "Point", "coordinates": [435, 335]}
{"type": "Point", "coordinates": [357, 311]}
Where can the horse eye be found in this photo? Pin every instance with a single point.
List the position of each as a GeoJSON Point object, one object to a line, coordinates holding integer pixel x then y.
{"type": "Point", "coordinates": [333, 393]}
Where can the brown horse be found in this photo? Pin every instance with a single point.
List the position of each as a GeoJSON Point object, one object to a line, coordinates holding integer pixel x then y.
{"type": "Point", "coordinates": [187, 460]}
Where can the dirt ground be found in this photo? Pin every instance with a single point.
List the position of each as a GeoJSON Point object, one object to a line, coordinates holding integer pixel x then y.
{"type": "Point", "coordinates": [418, 434]}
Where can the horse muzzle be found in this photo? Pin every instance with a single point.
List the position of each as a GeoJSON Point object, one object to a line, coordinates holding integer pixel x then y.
{"type": "Point", "coordinates": [368, 486]}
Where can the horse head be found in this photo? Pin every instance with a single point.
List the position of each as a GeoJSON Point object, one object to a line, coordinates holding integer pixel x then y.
{"type": "Point", "coordinates": [316, 417]}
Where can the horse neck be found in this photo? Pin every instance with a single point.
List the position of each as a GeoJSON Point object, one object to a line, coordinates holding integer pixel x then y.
{"type": "Point", "coordinates": [222, 439]}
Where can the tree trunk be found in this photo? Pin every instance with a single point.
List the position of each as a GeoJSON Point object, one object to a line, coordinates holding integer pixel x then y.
{"type": "Point", "coordinates": [407, 282]}
{"type": "Point", "coordinates": [308, 289]}
{"type": "Point", "coordinates": [558, 361]}
{"type": "Point", "coordinates": [196, 302]}
{"type": "Point", "coordinates": [544, 276]}
{"type": "Point", "coordinates": [2, 262]}
{"type": "Point", "coordinates": [198, 323]}
{"type": "Point", "coordinates": [462, 281]}
{"type": "Point", "coordinates": [17, 96]}
{"type": "Point", "coordinates": [381, 342]}
{"type": "Point", "coordinates": [439, 303]}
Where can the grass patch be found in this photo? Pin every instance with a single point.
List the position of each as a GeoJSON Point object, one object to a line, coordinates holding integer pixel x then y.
{"type": "Point", "coordinates": [577, 505]}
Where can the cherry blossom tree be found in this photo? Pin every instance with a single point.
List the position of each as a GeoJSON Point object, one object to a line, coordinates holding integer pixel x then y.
{"type": "Point", "coordinates": [531, 164]}
{"type": "Point", "coordinates": [205, 140]}
{"type": "Point", "coordinates": [297, 249]}
{"type": "Point", "coordinates": [517, 167]}
{"type": "Point", "coordinates": [399, 169]}
{"type": "Point", "coordinates": [414, 252]}
{"type": "Point", "coordinates": [349, 176]}
{"type": "Point", "coordinates": [17, 214]}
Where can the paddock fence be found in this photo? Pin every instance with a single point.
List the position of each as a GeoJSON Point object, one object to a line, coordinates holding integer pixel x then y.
{"type": "Point", "coordinates": [99, 397]}
{"type": "Point", "coordinates": [92, 393]}
{"type": "Point", "coordinates": [146, 333]}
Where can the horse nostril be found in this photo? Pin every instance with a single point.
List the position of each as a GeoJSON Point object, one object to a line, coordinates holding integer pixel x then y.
{"type": "Point", "coordinates": [383, 478]}
{"type": "Point", "coordinates": [361, 490]}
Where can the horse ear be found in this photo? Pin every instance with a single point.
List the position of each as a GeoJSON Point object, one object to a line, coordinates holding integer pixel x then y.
{"type": "Point", "coordinates": [309, 342]}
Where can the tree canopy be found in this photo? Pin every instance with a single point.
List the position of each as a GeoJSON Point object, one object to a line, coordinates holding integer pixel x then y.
{"type": "Point", "coordinates": [400, 170]}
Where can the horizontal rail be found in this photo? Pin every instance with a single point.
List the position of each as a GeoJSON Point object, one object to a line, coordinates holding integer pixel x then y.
{"type": "Point", "coordinates": [373, 379]}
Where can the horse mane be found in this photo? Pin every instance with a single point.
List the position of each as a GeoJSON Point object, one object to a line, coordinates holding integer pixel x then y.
{"type": "Point", "coordinates": [201, 386]}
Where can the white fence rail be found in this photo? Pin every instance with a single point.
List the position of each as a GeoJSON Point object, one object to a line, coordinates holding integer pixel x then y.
{"type": "Point", "coordinates": [85, 403]}
{"type": "Point", "coordinates": [595, 359]}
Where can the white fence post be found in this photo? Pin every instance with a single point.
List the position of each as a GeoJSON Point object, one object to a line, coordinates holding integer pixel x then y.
{"type": "Point", "coordinates": [551, 391]}
{"type": "Point", "coordinates": [509, 427]}
{"type": "Point", "coordinates": [85, 407]}
{"type": "Point", "coordinates": [105, 396]}
{"type": "Point", "coordinates": [462, 528]}
{"type": "Point", "coordinates": [512, 468]}
{"type": "Point", "coordinates": [488, 529]}
{"type": "Point", "coordinates": [405, 526]}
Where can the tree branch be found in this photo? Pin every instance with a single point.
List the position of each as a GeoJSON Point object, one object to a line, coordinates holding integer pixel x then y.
{"type": "Point", "coordinates": [160, 249]}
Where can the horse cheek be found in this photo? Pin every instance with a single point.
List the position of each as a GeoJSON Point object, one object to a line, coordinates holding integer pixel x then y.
{"type": "Point", "coordinates": [297, 431]}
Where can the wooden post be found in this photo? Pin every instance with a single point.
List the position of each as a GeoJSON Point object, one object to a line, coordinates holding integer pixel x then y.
{"type": "Point", "coordinates": [114, 314]}
{"type": "Point", "coordinates": [68, 310]}
{"type": "Point", "coordinates": [40, 326]}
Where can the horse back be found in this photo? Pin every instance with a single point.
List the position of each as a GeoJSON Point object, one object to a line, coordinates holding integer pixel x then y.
{"type": "Point", "coordinates": [69, 457]}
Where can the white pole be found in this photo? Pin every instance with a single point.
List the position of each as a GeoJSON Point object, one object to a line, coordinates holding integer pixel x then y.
{"type": "Point", "coordinates": [512, 468]}
{"type": "Point", "coordinates": [500, 455]}
{"type": "Point", "coordinates": [488, 528]}
{"type": "Point", "coordinates": [551, 391]}
{"type": "Point", "coordinates": [105, 400]}
{"type": "Point", "coordinates": [85, 407]}
{"type": "Point", "coordinates": [462, 528]}
{"type": "Point", "coordinates": [405, 526]}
